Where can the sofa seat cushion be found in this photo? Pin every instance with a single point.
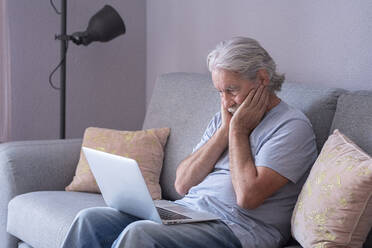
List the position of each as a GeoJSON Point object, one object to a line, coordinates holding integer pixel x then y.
{"type": "Point", "coordinates": [42, 219]}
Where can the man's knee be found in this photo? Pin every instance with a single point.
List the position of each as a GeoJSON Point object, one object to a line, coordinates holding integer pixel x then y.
{"type": "Point", "coordinates": [141, 232]}
{"type": "Point", "coordinates": [86, 213]}
{"type": "Point", "coordinates": [89, 215]}
{"type": "Point", "coordinates": [142, 227]}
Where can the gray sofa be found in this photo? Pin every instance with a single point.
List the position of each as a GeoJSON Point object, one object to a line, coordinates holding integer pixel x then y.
{"type": "Point", "coordinates": [37, 212]}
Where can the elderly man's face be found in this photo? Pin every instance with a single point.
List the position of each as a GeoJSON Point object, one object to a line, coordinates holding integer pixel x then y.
{"type": "Point", "coordinates": [232, 88]}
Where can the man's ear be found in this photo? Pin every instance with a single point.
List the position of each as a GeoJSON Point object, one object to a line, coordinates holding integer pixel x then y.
{"type": "Point", "coordinates": [263, 77]}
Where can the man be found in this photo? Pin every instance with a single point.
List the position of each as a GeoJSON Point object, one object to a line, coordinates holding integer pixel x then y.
{"type": "Point", "coordinates": [248, 168]}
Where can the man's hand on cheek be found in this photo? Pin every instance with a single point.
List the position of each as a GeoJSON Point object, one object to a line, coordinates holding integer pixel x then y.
{"type": "Point", "coordinates": [250, 112]}
{"type": "Point", "coordinates": [226, 118]}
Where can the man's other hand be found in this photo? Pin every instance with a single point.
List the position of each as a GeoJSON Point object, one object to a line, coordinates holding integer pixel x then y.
{"type": "Point", "coordinates": [226, 118]}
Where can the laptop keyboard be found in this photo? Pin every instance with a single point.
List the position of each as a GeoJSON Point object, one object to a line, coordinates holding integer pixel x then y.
{"type": "Point", "coordinates": [169, 215]}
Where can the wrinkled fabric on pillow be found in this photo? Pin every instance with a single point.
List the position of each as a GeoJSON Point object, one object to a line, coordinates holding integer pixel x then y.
{"type": "Point", "coordinates": [334, 208]}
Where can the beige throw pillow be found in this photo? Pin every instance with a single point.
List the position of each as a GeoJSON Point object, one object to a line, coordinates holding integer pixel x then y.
{"type": "Point", "coordinates": [146, 147]}
{"type": "Point", "coordinates": [334, 208]}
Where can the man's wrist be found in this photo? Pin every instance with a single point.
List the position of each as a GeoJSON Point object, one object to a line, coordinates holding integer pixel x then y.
{"type": "Point", "coordinates": [239, 130]}
{"type": "Point", "coordinates": [224, 129]}
{"type": "Point", "coordinates": [223, 134]}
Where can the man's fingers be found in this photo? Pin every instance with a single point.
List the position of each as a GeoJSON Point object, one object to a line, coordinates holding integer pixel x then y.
{"type": "Point", "coordinates": [263, 101]}
{"type": "Point", "coordinates": [258, 95]}
{"type": "Point", "coordinates": [249, 97]}
{"type": "Point", "coordinates": [267, 100]}
{"type": "Point", "coordinates": [257, 98]}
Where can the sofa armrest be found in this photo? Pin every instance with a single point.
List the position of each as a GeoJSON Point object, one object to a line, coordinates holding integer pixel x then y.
{"type": "Point", "coordinates": [27, 166]}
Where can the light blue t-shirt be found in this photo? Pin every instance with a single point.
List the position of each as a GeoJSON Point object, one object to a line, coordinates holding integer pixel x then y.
{"type": "Point", "coordinates": [283, 141]}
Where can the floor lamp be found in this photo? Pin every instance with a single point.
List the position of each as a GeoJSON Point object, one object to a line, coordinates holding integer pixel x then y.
{"type": "Point", "coordinates": [104, 26]}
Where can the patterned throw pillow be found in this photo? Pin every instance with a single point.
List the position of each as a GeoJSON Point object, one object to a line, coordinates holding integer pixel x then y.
{"type": "Point", "coordinates": [146, 147]}
{"type": "Point", "coordinates": [334, 208]}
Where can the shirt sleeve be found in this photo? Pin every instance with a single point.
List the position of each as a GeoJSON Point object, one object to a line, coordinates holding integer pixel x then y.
{"type": "Point", "coordinates": [212, 127]}
{"type": "Point", "coordinates": [290, 151]}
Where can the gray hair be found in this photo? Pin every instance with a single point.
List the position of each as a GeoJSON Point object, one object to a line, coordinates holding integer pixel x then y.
{"type": "Point", "coordinates": [245, 56]}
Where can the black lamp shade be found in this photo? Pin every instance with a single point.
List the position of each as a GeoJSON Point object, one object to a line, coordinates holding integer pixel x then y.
{"type": "Point", "coordinates": [104, 26]}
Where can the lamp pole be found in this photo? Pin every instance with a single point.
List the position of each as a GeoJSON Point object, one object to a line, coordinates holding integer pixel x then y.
{"type": "Point", "coordinates": [104, 26]}
{"type": "Point", "coordinates": [62, 132]}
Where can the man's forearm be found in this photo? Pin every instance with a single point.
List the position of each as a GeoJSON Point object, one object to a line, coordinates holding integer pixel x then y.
{"type": "Point", "coordinates": [198, 165]}
{"type": "Point", "coordinates": [242, 168]}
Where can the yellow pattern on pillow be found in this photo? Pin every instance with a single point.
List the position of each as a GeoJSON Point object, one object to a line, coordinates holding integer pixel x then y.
{"type": "Point", "coordinates": [146, 147]}
{"type": "Point", "coordinates": [334, 208]}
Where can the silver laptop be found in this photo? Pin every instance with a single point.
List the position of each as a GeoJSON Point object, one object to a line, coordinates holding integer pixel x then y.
{"type": "Point", "coordinates": [123, 188]}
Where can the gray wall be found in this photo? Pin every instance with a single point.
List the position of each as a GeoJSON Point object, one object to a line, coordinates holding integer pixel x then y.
{"type": "Point", "coordinates": [105, 81]}
{"type": "Point", "coordinates": [313, 42]}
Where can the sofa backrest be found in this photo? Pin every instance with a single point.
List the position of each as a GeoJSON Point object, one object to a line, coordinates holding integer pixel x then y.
{"type": "Point", "coordinates": [317, 103]}
{"type": "Point", "coordinates": [353, 117]}
{"type": "Point", "coordinates": [186, 102]}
